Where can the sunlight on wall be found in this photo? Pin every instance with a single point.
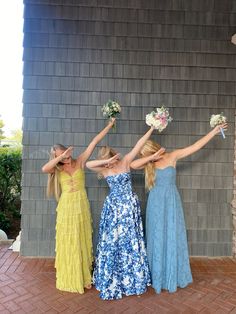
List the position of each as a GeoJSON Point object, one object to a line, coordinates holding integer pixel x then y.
{"type": "Point", "coordinates": [11, 33]}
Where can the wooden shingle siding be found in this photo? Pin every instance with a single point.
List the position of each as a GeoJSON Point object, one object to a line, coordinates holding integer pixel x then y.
{"type": "Point", "coordinates": [143, 53]}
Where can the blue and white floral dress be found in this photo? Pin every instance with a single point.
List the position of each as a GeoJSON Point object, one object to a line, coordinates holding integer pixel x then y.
{"type": "Point", "coordinates": [121, 265]}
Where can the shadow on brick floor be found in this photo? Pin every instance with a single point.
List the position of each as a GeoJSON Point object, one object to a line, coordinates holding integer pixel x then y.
{"type": "Point", "coordinates": [27, 285]}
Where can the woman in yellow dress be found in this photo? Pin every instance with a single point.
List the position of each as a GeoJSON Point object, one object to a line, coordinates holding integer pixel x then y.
{"type": "Point", "coordinates": [66, 181]}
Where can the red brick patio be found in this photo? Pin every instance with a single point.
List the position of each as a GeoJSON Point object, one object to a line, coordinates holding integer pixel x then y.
{"type": "Point", "coordinates": [27, 285]}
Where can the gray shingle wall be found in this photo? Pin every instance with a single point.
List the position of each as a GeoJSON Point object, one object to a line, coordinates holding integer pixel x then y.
{"type": "Point", "coordinates": [78, 54]}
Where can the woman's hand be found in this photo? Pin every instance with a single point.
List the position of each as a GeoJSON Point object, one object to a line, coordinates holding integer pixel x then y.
{"type": "Point", "coordinates": [157, 155]}
{"type": "Point", "coordinates": [112, 121]}
{"type": "Point", "coordinates": [67, 153]}
{"type": "Point", "coordinates": [217, 128]}
{"type": "Point", "coordinates": [111, 161]}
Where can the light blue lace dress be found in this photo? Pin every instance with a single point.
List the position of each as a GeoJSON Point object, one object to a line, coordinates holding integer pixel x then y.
{"type": "Point", "coordinates": [166, 234]}
{"type": "Point", "coordinates": [121, 265]}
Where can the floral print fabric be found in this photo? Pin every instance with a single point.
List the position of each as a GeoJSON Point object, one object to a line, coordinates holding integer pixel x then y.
{"type": "Point", "coordinates": [121, 265]}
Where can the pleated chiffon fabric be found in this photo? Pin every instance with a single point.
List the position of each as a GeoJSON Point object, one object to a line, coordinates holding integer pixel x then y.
{"type": "Point", "coordinates": [74, 254]}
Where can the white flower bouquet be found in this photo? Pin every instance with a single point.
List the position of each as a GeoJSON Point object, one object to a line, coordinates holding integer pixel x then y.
{"type": "Point", "coordinates": [159, 118]}
{"type": "Point", "coordinates": [111, 109]}
{"type": "Point", "coordinates": [217, 119]}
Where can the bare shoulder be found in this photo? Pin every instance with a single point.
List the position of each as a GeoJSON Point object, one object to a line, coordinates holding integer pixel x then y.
{"type": "Point", "coordinates": [174, 153]}
{"type": "Point", "coordinates": [167, 160]}
{"type": "Point", "coordinates": [80, 161]}
{"type": "Point", "coordinates": [168, 156]}
{"type": "Point", "coordinates": [124, 163]}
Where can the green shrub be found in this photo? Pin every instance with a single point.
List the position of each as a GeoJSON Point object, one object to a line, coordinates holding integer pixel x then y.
{"type": "Point", "coordinates": [4, 222]}
{"type": "Point", "coordinates": [10, 186]}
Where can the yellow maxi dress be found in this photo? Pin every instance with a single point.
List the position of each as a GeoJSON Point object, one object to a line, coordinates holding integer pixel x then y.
{"type": "Point", "coordinates": [74, 254]}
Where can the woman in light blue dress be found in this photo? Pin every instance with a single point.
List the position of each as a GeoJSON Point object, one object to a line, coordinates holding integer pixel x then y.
{"type": "Point", "coordinates": [167, 248]}
{"type": "Point", "coordinates": [121, 266]}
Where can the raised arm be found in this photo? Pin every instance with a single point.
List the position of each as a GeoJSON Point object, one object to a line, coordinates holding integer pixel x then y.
{"type": "Point", "coordinates": [184, 152]}
{"type": "Point", "coordinates": [132, 154]}
{"type": "Point", "coordinates": [49, 167]}
{"type": "Point", "coordinates": [141, 162]}
{"type": "Point", "coordinates": [89, 150]}
{"type": "Point", "coordinates": [99, 164]}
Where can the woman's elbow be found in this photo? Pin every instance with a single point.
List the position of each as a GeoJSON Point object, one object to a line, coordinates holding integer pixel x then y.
{"type": "Point", "coordinates": [132, 165]}
{"type": "Point", "coordinates": [87, 165]}
{"type": "Point", "coordinates": [45, 170]}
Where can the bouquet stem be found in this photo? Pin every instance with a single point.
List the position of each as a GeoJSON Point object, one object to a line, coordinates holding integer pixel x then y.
{"type": "Point", "coordinates": [222, 132]}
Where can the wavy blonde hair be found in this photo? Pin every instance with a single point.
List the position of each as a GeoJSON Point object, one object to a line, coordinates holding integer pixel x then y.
{"type": "Point", "coordinates": [53, 185]}
{"type": "Point", "coordinates": [105, 152]}
{"type": "Point", "coordinates": [148, 149]}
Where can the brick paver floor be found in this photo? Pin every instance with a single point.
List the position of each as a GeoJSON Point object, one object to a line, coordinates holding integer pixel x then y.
{"type": "Point", "coordinates": [27, 285]}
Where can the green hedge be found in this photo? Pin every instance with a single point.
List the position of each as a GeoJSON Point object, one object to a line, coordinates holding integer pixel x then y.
{"type": "Point", "coordinates": [10, 186]}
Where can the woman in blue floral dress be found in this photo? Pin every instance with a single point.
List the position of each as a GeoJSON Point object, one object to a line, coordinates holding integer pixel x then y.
{"type": "Point", "coordinates": [121, 266]}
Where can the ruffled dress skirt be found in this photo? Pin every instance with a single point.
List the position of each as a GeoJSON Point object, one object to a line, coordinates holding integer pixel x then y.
{"type": "Point", "coordinates": [74, 254]}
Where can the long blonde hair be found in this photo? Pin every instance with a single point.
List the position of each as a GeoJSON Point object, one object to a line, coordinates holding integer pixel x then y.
{"type": "Point", "coordinates": [53, 185]}
{"type": "Point", "coordinates": [148, 149]}
{"type": "Point", "coordinates": [105, 152]}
